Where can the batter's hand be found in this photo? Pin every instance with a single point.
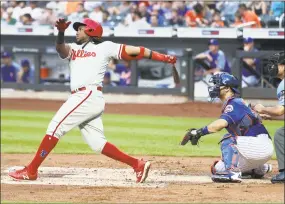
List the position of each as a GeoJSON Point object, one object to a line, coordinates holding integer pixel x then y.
{"type": "Point", "coordinates": [62, 25]}
{"type": "Point", "coordinates": [170, 59]}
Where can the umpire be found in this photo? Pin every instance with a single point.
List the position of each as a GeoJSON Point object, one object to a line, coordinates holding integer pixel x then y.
{"type": "Point", "coordinates": [276, 69]}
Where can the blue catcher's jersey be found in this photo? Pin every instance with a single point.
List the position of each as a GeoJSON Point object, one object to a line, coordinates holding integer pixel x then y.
{"type": "Point", "coordinates": [241, 119]}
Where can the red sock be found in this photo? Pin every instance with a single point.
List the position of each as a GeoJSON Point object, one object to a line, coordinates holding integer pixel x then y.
{"type": "Point", "coordinates": [48, 143]}
{"type": "Point", "coordinates": [113, 152]}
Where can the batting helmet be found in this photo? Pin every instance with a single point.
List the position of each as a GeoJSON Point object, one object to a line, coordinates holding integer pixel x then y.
{"type": "Point", "coordinates": [92, 29]}
{"type": "Point", "coordinates": [274, 60]}
{"type": "Point", "coordinates": [223, 79]}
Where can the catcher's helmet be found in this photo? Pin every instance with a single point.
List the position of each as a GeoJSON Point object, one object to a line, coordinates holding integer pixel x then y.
{"type": "Point", "coordinates": [274, 60]}
{"type": "Point", "coordinates": [92, 29]}
{"type": "Point", "coordinates": [223, 79]}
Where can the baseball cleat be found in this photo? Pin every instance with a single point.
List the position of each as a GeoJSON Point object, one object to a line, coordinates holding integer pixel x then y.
{"type": "Point", "coordinates": [227, 177]}
{"type": "Point", "coordinates": [23, 174]}
{"type": "Point", "coordinates": [279, 178]}
{"type": "Point", "coordinates": [142, 170]}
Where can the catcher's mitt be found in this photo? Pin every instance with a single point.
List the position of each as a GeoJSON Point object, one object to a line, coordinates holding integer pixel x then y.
{"type": "Point", "coordinates": [192, 135]}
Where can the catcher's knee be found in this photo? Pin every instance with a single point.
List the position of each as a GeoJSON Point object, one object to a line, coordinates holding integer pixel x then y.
{"type": "Point", "coordinates": [217, 166]}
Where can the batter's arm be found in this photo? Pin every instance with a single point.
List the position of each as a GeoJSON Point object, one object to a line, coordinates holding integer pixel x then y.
{"type": "Point", "coordinates": [136, 53]}
{"type": "Point", "coordinates": [62, 49]}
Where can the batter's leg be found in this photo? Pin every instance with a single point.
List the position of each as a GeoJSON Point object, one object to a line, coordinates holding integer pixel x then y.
{"type": "Point", "coordinates": [93, 134]}
{"type": "Point", "coordinates": [78, 108]}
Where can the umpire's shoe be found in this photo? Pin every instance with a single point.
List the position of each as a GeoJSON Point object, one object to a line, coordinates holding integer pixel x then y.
{"type": "Point", "coordinates": [227, 177]}
{"type": "Point", "coordinates": [279, 178]}
{"type": "Point", "coordinates": [23, 174]}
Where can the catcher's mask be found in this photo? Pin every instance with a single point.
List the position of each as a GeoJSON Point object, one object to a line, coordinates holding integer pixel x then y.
{"type": "Point", "coordinates": [222, 79]}
{"type": "Point", "coordinates": [274, 61]}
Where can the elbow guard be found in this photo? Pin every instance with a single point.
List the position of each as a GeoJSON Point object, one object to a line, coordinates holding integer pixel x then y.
{"type": "Point", "coordinates": [126, 56]}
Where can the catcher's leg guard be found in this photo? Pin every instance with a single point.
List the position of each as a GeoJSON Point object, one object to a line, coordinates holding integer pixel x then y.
{"type": "Point", "coordinates": [230, 153]}
{"type": "Point", "coordinates": [226, 170]}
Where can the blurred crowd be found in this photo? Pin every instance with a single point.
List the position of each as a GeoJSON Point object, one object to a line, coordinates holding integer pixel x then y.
{"type": "Point", "coordinates": [146, 13]}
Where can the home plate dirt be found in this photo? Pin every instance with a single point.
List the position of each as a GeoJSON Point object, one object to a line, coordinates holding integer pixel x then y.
{"type": "Point", "coordinates": [107, 177]}
{"type": "Point", "coordinates": [97, 179]}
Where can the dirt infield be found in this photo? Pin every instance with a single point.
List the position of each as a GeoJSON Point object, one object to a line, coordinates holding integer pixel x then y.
{"type": "Point", "coordinates": [169, 189]}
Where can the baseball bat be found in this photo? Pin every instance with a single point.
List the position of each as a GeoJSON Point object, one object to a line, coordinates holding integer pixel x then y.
{"type": "Point", "coordinates": [175, 75]}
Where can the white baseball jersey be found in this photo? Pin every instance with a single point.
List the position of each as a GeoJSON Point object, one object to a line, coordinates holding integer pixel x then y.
{"type": "Point", "coordinates": [88, 65]}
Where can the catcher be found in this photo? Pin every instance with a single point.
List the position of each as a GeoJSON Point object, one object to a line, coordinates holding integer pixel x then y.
{"type": "Point", "coordinates": [247, 146]}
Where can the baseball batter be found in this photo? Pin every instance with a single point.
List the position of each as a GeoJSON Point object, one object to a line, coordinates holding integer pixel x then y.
{"type": "Point", "coordinates": [276, 69]}
{"type": "Point", "coordinates": [247, 146]}
{"type": "Point", "coordinates": [88, 58]}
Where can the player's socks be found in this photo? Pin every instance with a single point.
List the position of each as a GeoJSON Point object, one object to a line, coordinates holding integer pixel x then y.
{"type": "Point", "coordinates": [48, 143]}
{"type": "Point", "coordinates": [113, 152]}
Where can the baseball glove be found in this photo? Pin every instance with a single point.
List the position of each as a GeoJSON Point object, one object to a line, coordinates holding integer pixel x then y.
{"type": "Point", "coordinates": [192, 135]}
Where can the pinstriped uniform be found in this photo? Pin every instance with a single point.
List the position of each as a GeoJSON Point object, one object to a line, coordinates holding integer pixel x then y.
{"type": "Point", "coordinates": [84, 107]}
{"type": "Point", "coordinates": [248, 145]}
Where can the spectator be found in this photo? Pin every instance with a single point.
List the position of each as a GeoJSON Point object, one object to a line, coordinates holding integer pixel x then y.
{"type": "Point", "coordinates": [123, 70]}
{"type": "Point", "coordinates": [154, 21]}
{"type": "Point", "coordinates": [106, 21]}
{"type": "Point", "coordinates": [251, 67]}
{"type": "Point", "coordinates": [78, 15]}
{"type": "Point", "coordinates": [195, 17]}
{"type": "Point", "coordinates": [25, 72]}
{"type": "Point", "coordinates": [35, 12]}
{"type": "Point", "coordinates": [138, 21]}
{"type": "Point", "coordinates": [217, 22]}
{"type": "Point", "coordinates": [227, 9]}
{"type": "Point", "coordinates": [8, 70]}
{"type": "Point", "coordinates": [238, 20]}
{"type": "Point", "coordinates": [71, 7]}
{"type": "Point", "coordinates": [9, 19]}
{"type": "Point", "coordinates": [107, 80]}
{"type": "Point", "coordinates": [156, 11]}
{"type": "Point", "coordinates": [48, 18]}
{"type": "Point", "coordinates": [90, 5]}
{"type": "Point", "coordinates": [97, 13]}
{"type": "Point", "coordinates": [18, 7]}
{"type": "Point", "coordinates": [26, 19]}
{"type": "Point", "coordinates": [249, 16]}
{"type": "Point", "coordinates": [277, 8]}
{"type": "Point", "coordinates": [167, 9]}
{"type": "Point", "coordinates": [58, 7]}
{"type": "Point", "coordinates": [143, 11]}
{"type": "Point", "coordinates": [176, 20]}
{"type": "Point", "coordinates": [259, 8]}
{"type": "Point", "coordinates": [213, 60]}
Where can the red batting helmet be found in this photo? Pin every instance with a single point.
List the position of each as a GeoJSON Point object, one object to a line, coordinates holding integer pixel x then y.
{"type": "Point", "coordinates": [92, 29]}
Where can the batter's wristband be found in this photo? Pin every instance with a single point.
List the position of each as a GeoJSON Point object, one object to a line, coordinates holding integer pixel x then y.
{"type": "Point", "coordinates": [158, 56]}
{"type": "Point", "coordinates": [60, 38]}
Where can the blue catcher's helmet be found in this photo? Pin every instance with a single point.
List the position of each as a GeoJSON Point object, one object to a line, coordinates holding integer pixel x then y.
{"type": "Point", "coordinates": [223, 79]}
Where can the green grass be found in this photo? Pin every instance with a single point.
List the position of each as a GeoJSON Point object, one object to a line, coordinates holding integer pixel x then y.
{"type": "Point", "coordinates": [22, 132]}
